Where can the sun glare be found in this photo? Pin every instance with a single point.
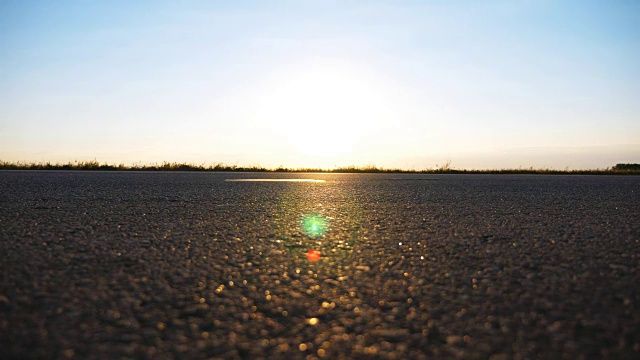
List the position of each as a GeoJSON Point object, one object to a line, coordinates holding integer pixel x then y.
{"type": "Point", "coordinates": [323, 111]}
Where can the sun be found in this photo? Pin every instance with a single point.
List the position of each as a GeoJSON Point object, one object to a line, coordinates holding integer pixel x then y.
{"type": "Point", "coordinates": [323, 110]}
{"type": "Point", "coordinates": [322, 114]}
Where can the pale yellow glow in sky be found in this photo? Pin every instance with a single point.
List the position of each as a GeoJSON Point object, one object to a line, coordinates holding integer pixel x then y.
{"type": "Point", "coordinates": [324, 110]}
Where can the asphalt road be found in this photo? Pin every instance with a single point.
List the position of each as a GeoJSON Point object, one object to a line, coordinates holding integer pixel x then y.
{"type": "Point", "coordinates": [188, 265]}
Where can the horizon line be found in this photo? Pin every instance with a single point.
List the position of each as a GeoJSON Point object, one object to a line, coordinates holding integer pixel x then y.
{"type": "Point", "coordinates": [220, 166]}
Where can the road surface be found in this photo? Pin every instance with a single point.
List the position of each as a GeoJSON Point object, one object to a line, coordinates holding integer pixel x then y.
{"type": "Point", "coordinates": [191, 265]}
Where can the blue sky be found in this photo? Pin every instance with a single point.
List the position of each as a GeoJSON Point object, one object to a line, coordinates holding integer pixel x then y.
{"type": "Point", "coordinates": [403, 84]}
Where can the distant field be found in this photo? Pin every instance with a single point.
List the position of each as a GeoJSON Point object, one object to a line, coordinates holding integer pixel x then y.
{"type": "Point", "coordinates": [618, 169]}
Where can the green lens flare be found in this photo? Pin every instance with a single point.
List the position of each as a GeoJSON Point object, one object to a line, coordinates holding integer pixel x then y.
{"type": "Point", "coordinates": [314, 226]}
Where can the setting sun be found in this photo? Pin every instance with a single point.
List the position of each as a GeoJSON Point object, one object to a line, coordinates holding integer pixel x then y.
{"type": "Point", "coordinates": [324, 110]}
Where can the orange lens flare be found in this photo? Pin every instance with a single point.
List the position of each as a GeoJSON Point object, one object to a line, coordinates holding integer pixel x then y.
{"type": "Point", "coordinates": [313, 255]}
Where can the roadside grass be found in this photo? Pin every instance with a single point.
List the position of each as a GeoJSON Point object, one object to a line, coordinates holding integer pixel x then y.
{"type": "Point", "coordinates": [618, 169]}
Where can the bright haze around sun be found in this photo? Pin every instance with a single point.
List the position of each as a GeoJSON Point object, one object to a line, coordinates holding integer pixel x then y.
{"type": "Point", "coordinates": [308, 84]}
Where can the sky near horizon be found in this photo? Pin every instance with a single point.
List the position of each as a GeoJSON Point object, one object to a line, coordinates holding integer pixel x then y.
{"type": "Point", "coordinates": [402, 84]}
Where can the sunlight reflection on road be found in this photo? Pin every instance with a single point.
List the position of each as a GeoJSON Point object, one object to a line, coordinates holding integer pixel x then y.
{"type": "Point", "coordinates": [278, 180]}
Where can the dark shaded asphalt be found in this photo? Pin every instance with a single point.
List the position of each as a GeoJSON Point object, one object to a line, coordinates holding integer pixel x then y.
{"type": "Point", "coordinates": [168, 265]}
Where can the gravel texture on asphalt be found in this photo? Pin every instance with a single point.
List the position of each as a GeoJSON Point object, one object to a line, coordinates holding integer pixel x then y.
{"type": "Point", "coordinates": [188, 265]}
